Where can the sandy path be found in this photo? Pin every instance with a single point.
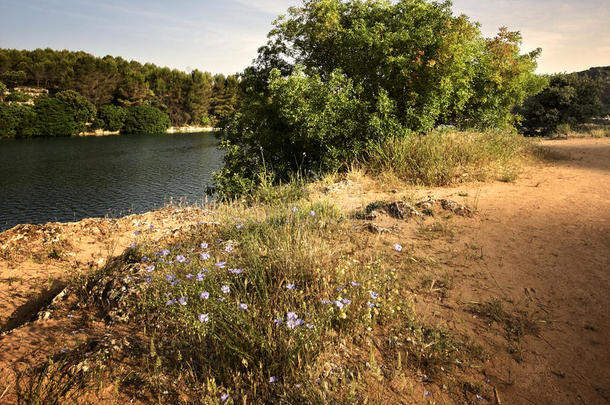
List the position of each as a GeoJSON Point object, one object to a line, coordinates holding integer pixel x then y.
{"type": "Point", "coordinates": [545, 244]}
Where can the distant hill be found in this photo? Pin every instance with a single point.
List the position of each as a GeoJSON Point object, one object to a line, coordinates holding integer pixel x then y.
{"type": "Point", "coordinates": [603, 74]}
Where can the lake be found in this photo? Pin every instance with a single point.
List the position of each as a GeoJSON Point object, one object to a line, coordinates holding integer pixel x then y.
{"type": "Point", "coordinates": [68, 179]}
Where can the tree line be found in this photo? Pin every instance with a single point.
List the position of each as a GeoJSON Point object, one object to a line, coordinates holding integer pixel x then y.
{"type": "Point", "coordinates": [113, 83]}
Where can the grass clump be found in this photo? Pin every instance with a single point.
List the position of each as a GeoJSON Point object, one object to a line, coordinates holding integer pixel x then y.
{"type": "Point", "coordinates": [441, 158]}
{"type": "Point", "coordinates": [270, 303]}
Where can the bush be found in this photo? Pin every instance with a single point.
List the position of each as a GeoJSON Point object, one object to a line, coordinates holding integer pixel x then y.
{"type": "Point", "coordinates": [145, 119]}
{"type": "Point", "coordinates": [309, 105]}
{"type": "Point", "coordinates": [569, 100]}
{"type": "Point", "coordinates": [18, 120]}
{"type": "Point", "coordinates": [110, 118]}
{"type": "Point", "coordinates": [3, 90]}
{"type": "Point", "coordinates": [56, 117]}
{"type": "Point", "coordinates": [18, 97]}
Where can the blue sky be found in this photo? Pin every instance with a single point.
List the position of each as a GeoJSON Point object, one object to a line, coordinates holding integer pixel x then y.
{"type": "Point", "coordinates": [223, 36]}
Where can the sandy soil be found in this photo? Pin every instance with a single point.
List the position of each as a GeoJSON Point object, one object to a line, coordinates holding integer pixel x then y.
{"type": "Point", "coordinates": [539, 246]}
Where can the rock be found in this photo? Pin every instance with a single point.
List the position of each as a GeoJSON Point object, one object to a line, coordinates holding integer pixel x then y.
{"type": "Point", "coordinates": [456, 208]}
{"type": "Point", "coordinates": [402, 210]}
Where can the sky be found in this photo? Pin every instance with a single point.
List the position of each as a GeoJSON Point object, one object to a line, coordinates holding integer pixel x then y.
{"type": "Point", "coordinates": [222, 36]}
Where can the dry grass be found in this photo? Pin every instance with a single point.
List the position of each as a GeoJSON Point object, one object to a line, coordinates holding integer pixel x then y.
{"type": "Point", "coordinates": [443, 158]}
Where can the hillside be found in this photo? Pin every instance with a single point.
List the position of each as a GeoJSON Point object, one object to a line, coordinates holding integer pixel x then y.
{"type": "Point", "coordinates": [194, 98]}
{"type": "Point", "coordinates": [600, 73]}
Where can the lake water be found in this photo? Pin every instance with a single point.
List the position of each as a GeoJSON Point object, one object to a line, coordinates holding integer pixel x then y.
{"type": "Point", "coordinates": [68, 179]}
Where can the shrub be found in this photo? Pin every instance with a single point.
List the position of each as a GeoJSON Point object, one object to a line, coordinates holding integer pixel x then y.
{"type": "Point", "coordinates": [569, 99]}
{"type": "Point", "coordinates": [56, 117]}
{"type": "Point", "coordinates": [3, 90]}
{"type": "Point", "coordinates": [17, 120]}
{"type": "Point", "coordinates": [145, 119]}
{"type": "Point", "coordinates": [309, 105]}
{"type": "Point", "coordinates": [110, 118]}
{"type": "Point", "coordinates": [18, 97]}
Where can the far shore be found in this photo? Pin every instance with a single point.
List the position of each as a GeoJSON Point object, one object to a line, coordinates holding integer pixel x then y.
{"type": "Point", "coordinates": [170, 130]}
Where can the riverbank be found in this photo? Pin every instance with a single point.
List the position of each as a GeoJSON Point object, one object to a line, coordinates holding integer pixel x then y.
{"type": "Point", "coordinates": [170, 130]}
{"type": "Point", "coordinates": [498, 297]}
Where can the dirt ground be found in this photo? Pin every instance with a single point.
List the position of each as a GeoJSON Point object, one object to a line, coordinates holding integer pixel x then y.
{"type": "Point", "coordinates": [527, 277]}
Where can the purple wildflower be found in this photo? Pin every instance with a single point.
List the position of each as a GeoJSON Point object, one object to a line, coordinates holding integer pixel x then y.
{"type": "Point", "coordinates": [294, 209]}
{"type": "Point", "coordinates": [182, 301]}
{"type": "Point", "coordinates": [278, 321]}
{"type": "Point", "coordinates": [132, 245]}
{"type": "Point", "coordinates": [226, 289]}
{"type": "Point", "coordinates": [203, 245]}
{"type": "Point", "coordinates": [309, 326]}
{"type": "Point", "coordinates": [239, 226]}
{"type": "Point", "coordinates": [204, 295]}
{"type": "Point", "coordinates": [148, 279]}
{"type": "Point", "coordinates": [224, 397]}
{"type": "Point", "coordinates": [272, 379]}
{"type": "Point", "coordinates": [204, 256]}
{"type": "Point", "coordinates": [398, 247]}
{"type": "Point", "coordinates": [373, 295]}
{"type": "Point", "coordinates": [175, 282]}
{"type": "Point", "coordinates": [290, 286]}
{"type": "Point", "coordinates": [200, 276]}
{"type": "Point", "coordinates": [203, 317]}
{"type": "Point", "coordinates": [170, 277]}
{"type": "Point", "coordinates": [144, 259]}
{"type": "Point", "coordinates": [355, 284]}
{"type": "Point", "coordinates": [480, 398]}
{"type": "Point", "coordinates": [324, 302]}
{"type": "Point", "coordinates": [243, 306]}
{"type": "Point", "coordinates": [346, 301]}
{"type": "Point", "coordinates": [221, 265]}
{"type": "Point", "coordinates": [338, 304]}
{"type": "Point", "coordinates": [180, 259]}
{"type": "Point", "coordinates": [136, 233]}
{"type": "Point", "coordinates": [427, 393]}
{"type": "Point", "coordinates": [228, 248]}
{"type": "Point", "coordinates": [312, 213]}
{"type": "Point", "coordinates": [149, 268]}
{"type": "Point", "coordinates": [189, 276]}
{"type": "Point", "coordinates": [340, 288]}
{"type": "Point", "coordinates": [236, 271]}
{"type": "Point", "coordinates": [70, 315]}
{"type": "Point", "coordinates": [165, 252]}
{"type": "Point", "coordinates": [171, 302]}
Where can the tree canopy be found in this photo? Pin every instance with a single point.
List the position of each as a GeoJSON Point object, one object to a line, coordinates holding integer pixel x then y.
{"type": "Point", "coordinates": [188, 98]}
{"type": "Point", "coordinates": [336, 75]}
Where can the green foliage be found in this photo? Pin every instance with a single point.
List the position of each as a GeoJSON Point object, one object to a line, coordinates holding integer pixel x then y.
{"type": "Point", "coordinates": [186, 97]}
{"type": "Point", "coordinates": [82, 109]}
{"type": "Point", "coordinates": [110, 118]}
{"type": "Point", "coordinates": [17, 96]}
{"type": "Point", "coordinates": [569, 99]}
{"type": "Point", "coordinates": [145, 119]}
{"type": "Point", "coordinates": [13, 78]}
{"type": "Point", "coordinates": [18, 120]}
{"type": "Point", "coordinates": [3, 90]}
{"type": "Point", "coordinates": [337, 75]}
{"type": "Point", "coordinates": [57, 117]}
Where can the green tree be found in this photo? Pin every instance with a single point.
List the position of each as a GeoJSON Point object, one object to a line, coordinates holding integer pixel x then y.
{"type": "Point", "coordinates": [56, 117]}
{"type": "Point", "coordinates": [13, 78]}
{"type": "Point", "coordinates": [569, 99]}
{"type": "Point", "coordinates": [110, 118]}
{"type": "Point", "coordinates": [82, 110]}
{"type": "Point", "coordinates": [145, 119]}
{"type": "Point", "coordinates": [409, 65]}
{"type": "Point", "coordinates": [3, 90]}
{"type": "Point", "coordinates": [18, 97]}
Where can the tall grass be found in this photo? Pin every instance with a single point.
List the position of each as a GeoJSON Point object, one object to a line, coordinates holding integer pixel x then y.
{"type": "Point", "coordinates": [442, 158]}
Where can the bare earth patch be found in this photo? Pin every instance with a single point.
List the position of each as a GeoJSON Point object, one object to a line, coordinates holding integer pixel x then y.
{"type": "Point", "coordinates": [526, 276]}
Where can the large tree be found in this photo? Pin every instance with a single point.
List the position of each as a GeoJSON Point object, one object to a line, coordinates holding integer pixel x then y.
{"type": "Point", "coordinates": [408, 65]}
